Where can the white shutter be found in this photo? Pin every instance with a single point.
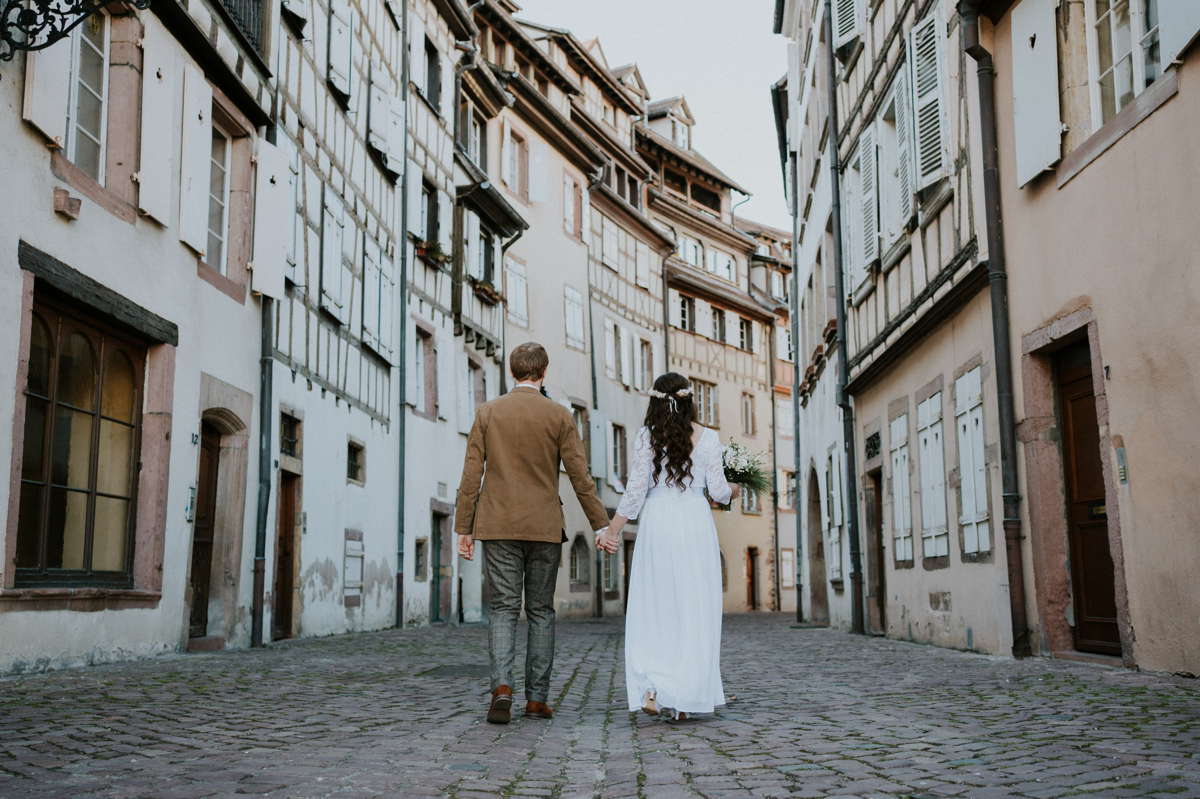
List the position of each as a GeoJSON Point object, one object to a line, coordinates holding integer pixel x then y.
{"type": "Point", "coordinates": [370, 303]}
{"type": "Point", "coordinates": [822, 487]}
{"type": "Point", "coordinates": [904, 147]}
{"type": "Point", "coordinates": [847, 21]}
{"type": "Point", "coordinates": [626, 356]}
{"type": "Point", "coordinates": [445, 375]}
{"type": "Point", "coordinates": [932, 467]}
{"type": "Point", "coordinates": [610, 349]}
{"type": "Point", "coordinates": [506, 172]}
{"type": "Point", "coordinates": [851, 225]}
{"type": "Point", "coordinates": [901, 498]}
{"type": "Point", "coordinates": [416, 180]}
{"type": "Point", "coordinates": [1036, 119]}
{"type": "Point", "coordinates": [332, 232]}
{"type": "Point", "coordinates": [642, 266]}
{"type": "Point", "coordinates": [758, 334]}
{"type": "Point", "coordinates": [387, 307]}
{"type": "Point", "coordinates": [838, 490]}
{"type": "Point", "coordinates": [869, 216]}
{"type": "Point", "coordinates": [516, 292]}
{"type": "Point", "coordinates": [971, 466]}
{"type": "Point", "coordinates": [379, 112]}
{"type": "Point", "coordinates": [927, 54]}
{"type": "Point", "coordinates": [340, 46]}
{"type": "Point", "coordinates": [411, 343]}
{"type": "Point", "coordinates": [465, 392]}
{"type": "Point", "coordinates": [673, 316]}
{"type": "Point", "coordinates": [608, 242]}
{"type": "Point", "coordinates": [445, 208]}
{"type": "Point", "coordinates": [416, 54]}
{"type": "Point", "coordinates": [597, 426]}
{"type": "Point", "coordinates": [568, 204]}
{"type": "Point", "coordinates": [274, 209]}
{"type": "Point", "coordinates": [573, 305]}
{"type": "Point", "coordinates": [474, 253]}
{"type": "Point", "coordinates": [710, 261]}
{"type": "Point", "coordinates": [447, 88]}
{"type": "Point", "coordinates": [156, 157]}
{"type": "Point", "coordinates": [294, 225]}
{"type": "Point", "coordinates": [725, 266]}
{"type": "Point", "coordinates": [539, 171]}
{"type": "Point", "coordinates": [1178, 24]}
{"type": "Point", "coordinates": [704, 320]}
{"type": "Point", "coordinates": [395, 151]}
{"type": "Point", "coordinates": [196, 166]}
{"type": "Point", "coordinates": [48, 90]}
{"type": "Point", "coordinates": [640, 365]}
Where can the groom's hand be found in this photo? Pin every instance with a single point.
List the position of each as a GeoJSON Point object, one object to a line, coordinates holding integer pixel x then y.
{"type": "Point", "coordinates": [466, 547]}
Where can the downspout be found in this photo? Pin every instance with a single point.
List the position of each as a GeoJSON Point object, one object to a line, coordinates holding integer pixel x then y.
{"type": "Point", "coordinates": [795, 322]}
{"type": "Point", "coordinates": [773, 344]}
{"type": "Point", "coordinates": [998, 285]}
{"type": "Point", "coordinates": [463, 68]}
{"type": "Point", "coordinates": [594, 180]}
{"type": "Point", "coordinates": [402, 372]}
{"type": "Point", "coordinates": [843, 401]}
{"type": "Point", "coordinates": [504, 320]}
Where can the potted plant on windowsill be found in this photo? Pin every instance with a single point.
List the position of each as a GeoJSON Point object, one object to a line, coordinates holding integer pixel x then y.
{"type": "Point", "coordinates": [487, 292]}
{"type": "Point", "coordinates": [432, 251]}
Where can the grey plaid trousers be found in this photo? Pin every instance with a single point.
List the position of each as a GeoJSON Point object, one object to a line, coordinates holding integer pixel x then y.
{"type": "Point", "coordinates": [513, 567]}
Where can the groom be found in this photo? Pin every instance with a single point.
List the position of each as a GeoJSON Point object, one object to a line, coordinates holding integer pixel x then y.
{"type": "Point", "coordinates": [514, 451]}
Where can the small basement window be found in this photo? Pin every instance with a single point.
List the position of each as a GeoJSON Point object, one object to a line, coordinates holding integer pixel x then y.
{"type": "Point", "coordinates": [356, 463]}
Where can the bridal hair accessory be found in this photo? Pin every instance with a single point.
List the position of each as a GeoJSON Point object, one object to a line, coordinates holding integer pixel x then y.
{"type": "Point", "coordinates": [686, 391]}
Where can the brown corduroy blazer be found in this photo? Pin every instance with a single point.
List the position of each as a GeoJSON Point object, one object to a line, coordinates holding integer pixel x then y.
{"type": "Point", "coordinates": [509, 488]}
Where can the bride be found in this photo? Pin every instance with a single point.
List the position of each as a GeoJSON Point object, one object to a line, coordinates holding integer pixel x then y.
{"type": "Point", "coordinates": [673, 619]}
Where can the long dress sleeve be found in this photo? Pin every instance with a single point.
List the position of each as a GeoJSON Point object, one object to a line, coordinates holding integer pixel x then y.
{"type": "Point", "coordinates": [714, 475]}
{"type": "Point", "coordinates": [638, 483]}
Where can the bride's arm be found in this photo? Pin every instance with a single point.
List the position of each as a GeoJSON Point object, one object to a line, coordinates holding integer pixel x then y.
{"type": "Point", "coordinates": [636, 486]}
{"type": "Point", "coordinates": [714, 477]}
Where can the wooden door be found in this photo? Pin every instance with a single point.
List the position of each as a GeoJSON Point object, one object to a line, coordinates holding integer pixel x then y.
{"type": "Point", "coordinates": [203, 529]}
{"type": "Point", "coordinates": [818, 589]}
{"type": "Point", "coordinates": [1093, 580]}
{"type": "Point", "coordinates": [285, 560]}
{"type": "Point", "coordinates": [752, 578]}
{"type": "Point", "coordinates": [442, 585]}
{"type": "Point", "coordinates": [876, 576]}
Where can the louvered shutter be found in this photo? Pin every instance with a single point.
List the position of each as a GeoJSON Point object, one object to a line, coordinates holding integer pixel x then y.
{"type": "Point", "coordinates": [274, 209]}
{"type": "Point", "coordinates": [370, 302]}
{"type": "Point", "coordinates": [626, 356]}
{"type": "Point", "coordinates": [539, 171]}
{"type": "Point", "coordinates": [340, 46]}
{"type": "Point", "coordinates": [597, 439]}
{"type": "Point", "coordinates": [927, 56]}
{"type": "Point", "coordinates": [379, 112]}
{"type": "Point", "coordinates": [847, 21]}
{"type": "Point", "coordinates": [1179, 22]}
{"type": "Point", "coordinates": [1037, 123]}
{"type": "Point", "coordinates": [868, 200]}
{"type": "Point", "coordinates": [48, 91]}
{"type": "Point", "coordinates": [610, 349]}
{"type": "Point", "coordinates": [332, 232]}
{"type": "Point", "coordinates": [156, 175]}
{"type": "Point", "coordinates": [196, 167]}
{"type": "Point", "coordinates": [904, 145]}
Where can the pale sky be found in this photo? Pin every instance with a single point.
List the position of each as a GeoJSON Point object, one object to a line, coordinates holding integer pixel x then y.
{"type": "Point", "coordinates": [719, 54]}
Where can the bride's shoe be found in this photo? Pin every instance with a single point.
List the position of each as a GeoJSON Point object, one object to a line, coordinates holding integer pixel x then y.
{"type": "Point", "coordinates": [650, 709]}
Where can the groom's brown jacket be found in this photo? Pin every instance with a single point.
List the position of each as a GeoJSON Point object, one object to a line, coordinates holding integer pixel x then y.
{"type": "Point", "coordinates": [520, 438]}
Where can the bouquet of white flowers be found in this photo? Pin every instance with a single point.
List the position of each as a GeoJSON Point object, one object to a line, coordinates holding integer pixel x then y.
{"type": "Point", "coordinates": [745, 469]}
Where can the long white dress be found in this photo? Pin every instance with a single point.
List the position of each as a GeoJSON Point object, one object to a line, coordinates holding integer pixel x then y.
{"type": "Point", "coordinates": [673, 620]}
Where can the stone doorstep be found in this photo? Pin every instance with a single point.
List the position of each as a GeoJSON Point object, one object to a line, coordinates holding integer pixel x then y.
{"type": "Point", "coordinates": [209, 643]}
{"type": "Point", "coordinates": [1090, 657]}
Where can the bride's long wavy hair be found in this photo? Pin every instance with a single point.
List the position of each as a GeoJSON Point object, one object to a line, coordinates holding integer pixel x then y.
{"type": "Point", "coordinates": [669, 419]}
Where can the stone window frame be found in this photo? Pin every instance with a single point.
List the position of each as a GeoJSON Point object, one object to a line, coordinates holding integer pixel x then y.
{"type": "Point", "coordinates": [42, 272]}
{"type": "Point", "coordinates": [353, 445]}
{"type": "Point", "coordinates": [954, 478]}
{"type": "Point", "coordinates": [929, 390]}
{"type": "Point", "coordinates": [579, 562]}
{"type": "Point", "coordinates": [426, 336]}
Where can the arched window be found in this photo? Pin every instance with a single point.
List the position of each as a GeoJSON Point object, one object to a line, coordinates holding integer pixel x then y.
{"type": "Point", "coordinates": [580, 567]}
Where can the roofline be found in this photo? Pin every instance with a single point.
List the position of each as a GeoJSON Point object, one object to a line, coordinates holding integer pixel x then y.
{"type": "Point", "coordinates": [491, 10]}
{"type": "Point", "coordinates": [582, 55]}
{"type": "Point", "coordinates": [454, 12]}
{"type": "Point", "coordinates": [779, 107]}
{"type": "Point", "coordinates": [687, 157]}
{"type": "Point", "coordinates": [595, 130]}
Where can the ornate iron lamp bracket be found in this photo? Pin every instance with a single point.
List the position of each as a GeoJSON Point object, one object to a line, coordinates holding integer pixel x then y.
{"type": "Point", "coordinates": [37, 24]}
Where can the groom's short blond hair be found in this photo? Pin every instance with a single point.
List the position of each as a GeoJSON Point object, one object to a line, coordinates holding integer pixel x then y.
{"type": "Point", "coordinates": [528, 361]}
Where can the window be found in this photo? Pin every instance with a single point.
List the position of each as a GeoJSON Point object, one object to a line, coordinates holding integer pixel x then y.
{"type": "Point", "coordinates": [720, 264]}
{"type": "Point", "coordinates": [87, 112]}
{"type": "Point", "coordinates": [787, 568]}
{"type": "Point", "coordinates": [642, 265]}
{"type": "Point", "coordinates": [901, 504]}
{"type": "Point", "coordinates": [706, 403]}
{"type": "Point", "coordinates": [476, 383]}
{"type": "Point", "coordinates": [749, 426]}
{"type": "Point", "coordinates": [572, 207]}
{"type": "Point", "coordinates": [687, 313]}
{"type": "Point", "coordinates": [783, 343]}
{"type": "Point", "coordinates": [646, 363]}
{"type": "Point", "coordinates": [580, 565]}
{"type": "Point", "coordinates": [691, 251]}
{"type": "Point", "coordinates": [608, 114]}
{"type": "Point", "coordinates": [433, 75]}
{"type": "Point", "coordinates": [675, 182]}
{"type": "Point", "coordinates": [895, 163]}
{"type": "Point", "coordinates": [1124, 57]}
{"type": "Point", "coordinates": [421, 560]}
{"type": "Point", "coordinates": [706, 197]}
{"type": "Point", "coordinates": [620, 471]}
{"type": "Point", "coordinates": [429, 212]}
{"type": "Point", "coordinates": [515, 162]}
{"type": "Point", "coordinates": [681, 134]}
{"type": "Point", "coordinates": [425, 395]}
{"type": "Point", "coordinates": [612, 571]}
{"type": "Point", "coordinates": [356, 463]}
{"type": "Point", "coordinates": [935, 538]}
{"type": "Point", "coordinates": [718, 324]}
{"type": "Point", "coordinates": [472, 133]}
{"type": "Point", "coordinates": [543, 84]}
{"type": "Point", "coordinates": [81, 441]}
{"type": "Point", "coordinates": [289, 435]}
{"type": "Point", "coordinates": [787, 494]}
{"type": "Point", "coordinates": [573, 305]}
{"type": "Point", "coordinates": [745, 334]}
{"type": "Point", "coordinates": [218, 201]}
{"type": "Point", "coordinates": [515, 292]}
{"type": "Point", "coordinates": [579, 413]}
{"type": "Point", "coordinates": [750, 502]}
{"type": "Point", "coordinates": [352, 569]}
{"type": "Point", "coordinates": [783, 418]}
{"type": "Point", "coordinates": [487, 256]}
{"type": "Point", "coordinates": [968, 424]}
{"type": "Point", "coordinates": [778, 285]}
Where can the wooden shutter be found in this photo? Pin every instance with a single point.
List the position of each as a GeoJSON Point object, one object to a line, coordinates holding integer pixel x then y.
{"type": "Point", "coordinates": [294, 224]}
{"type": "Point", "coordinates": [904, 147]}
{"type": "Point", "coordinates": [379, 112]}
{"type": "Point", "coordinates": [704, 320]}
{"type": "Point", "coordinates": [1036, 119]}
{"type": "Point", "coordinates": [445, 209]}
{"type": "Point", "coordinates": [506, 146]}
{"type": "Point", "coordinates": [196, 166]}
{"type": "Point", "coordinates": [411, 343]}
{"type": "Point", "coordinates": [597, 425]}
{"type": "Point", "coordinates": [573, 304]}
{"type": "Point", "coordinates": [972, 469]}
{"type": "Point", "coordinates": [48, 91]}
{"type": "Point", "coordinates": [568, 202]}
{"type": "Point", "coordinates": [340, 46]}
{"type": "Point", "coordinates": [674, 317]}
{"type": "Point", "coordinates": [447, 91]}
{"type": "Point", "coordinates": [472, 251]}
{"type": "Point", "coordinates": [610, 349]}
{"type": "Point", "coordinates": [626, 356]}
{"type": "Point", "coordinates": [370, 302]}
{"type": "Point", "coordinates": [1178, 24]}
{"type": "Point", "coordinates": [539, 171]}
{"type": "Point", "coordinates": [416, 182]}
{"type": "Point", "coordinates": [851, 223]}
{"type": "Point", "coordinates": [837, 490]}
{"type": "Point", "coordinates": [757, 337]}
{"type": "Point", "coordinates": [868, 200]}
{"type": "Point", "coordinates": [332, 232]}
{"type": "Point", "coordinates": [274, 211]}
{"type": "Point", "coordinates": [156, 157]}
{"type": "Point", "coordinates": [901, 500]}
{"type": "Point", "coordinates": [516, 292]}
{"type": "Point", "coordinates": [847, 21]}
{"type": "Point", "coordinates": [395, 151]}
{"type": "Point", "coordinates": [932, 466]}
{"type": "Point", "coordinates": [927, 54]}
{"type": "Point", "coordinates": [608, 245]}
{"type": "Point", "coordinates": [642, 266]}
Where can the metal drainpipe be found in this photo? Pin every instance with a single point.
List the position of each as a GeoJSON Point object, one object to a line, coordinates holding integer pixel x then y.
{"type": "Point", "coordinates": [594, 180]}
{"type": "Point", "coordinates": [504, 317]}
{"type": "Point", "coordinates": [998, 288]}
{"type": "Point", "coordinates": [773, 344]}
{"type": "Point", "coordinates": [795, 322]}
{"type": "Point", "coordinates": [843, 402]}
{"type": "Point", "coordinates": [473, 51]}
{"type": "Point", "coordinates": [402, 371]}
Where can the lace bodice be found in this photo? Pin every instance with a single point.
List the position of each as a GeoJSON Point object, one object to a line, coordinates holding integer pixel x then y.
{"type": "Point", "coordinates": [707, 472]}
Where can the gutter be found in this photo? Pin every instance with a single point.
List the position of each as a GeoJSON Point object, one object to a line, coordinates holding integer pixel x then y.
{"type": "Point", "coordinates": [795, 322]}
{"type": "Point", "coordinates": [1001, 336]}
{"type": "Point", "coordinates": [773, 344]}
{"type": "Point", "coordinates": [594, 180]}
{"type": "Point", "coordinates": [402, 372]}
{"type": "Point", "coordinates": [843, 400]}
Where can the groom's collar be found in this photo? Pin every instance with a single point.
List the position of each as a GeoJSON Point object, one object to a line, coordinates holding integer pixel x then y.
{"type": "Point", "coordinates": [529, 386]}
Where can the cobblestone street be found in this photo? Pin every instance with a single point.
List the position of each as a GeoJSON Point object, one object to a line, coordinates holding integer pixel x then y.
{"type": "Point", "coordinates": [400, 713]}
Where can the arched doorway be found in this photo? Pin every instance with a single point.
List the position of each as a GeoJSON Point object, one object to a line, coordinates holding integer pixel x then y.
{"type": "Point", "coordinates": [204, 529]}
{"type": "Point", "coordinates": [818, 589]}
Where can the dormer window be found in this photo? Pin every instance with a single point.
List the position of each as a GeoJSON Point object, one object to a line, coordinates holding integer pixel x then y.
{"type": "Point", "coordinates": [681, 134]}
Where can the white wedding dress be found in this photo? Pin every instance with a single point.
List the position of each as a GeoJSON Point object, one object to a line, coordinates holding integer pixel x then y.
{"type": "Point", "coordinates": [673, 619]}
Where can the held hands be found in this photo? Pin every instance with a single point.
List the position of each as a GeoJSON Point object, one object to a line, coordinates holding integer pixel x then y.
{"type": "Point", "coordinates": [466, 547]}
{"type": "Point", "coordinates": [736, 492]}
{"type": "Point", "coordinates": [608, 541]}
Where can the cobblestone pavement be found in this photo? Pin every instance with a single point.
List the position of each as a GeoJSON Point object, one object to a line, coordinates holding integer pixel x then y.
{"type": "Point", "coordinates": [817, 713]}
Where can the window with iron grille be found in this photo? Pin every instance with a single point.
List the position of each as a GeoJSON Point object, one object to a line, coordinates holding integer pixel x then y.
{"type": "Point", "coordinates": [356, 467]}
{"type": "Point", "coordinates": [247, 15]}
{"type": "Point", "coordinates": [289, 435]}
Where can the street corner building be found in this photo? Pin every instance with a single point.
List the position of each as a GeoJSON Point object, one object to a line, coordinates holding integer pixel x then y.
{"type": "Point", "coordinates": [997, 180]}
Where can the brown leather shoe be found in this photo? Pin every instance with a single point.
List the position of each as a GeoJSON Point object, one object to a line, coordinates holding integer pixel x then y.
{"type": "Point", "coordinates": [538, 710]}
{"type": "Point", "coordinates": [500, 710]}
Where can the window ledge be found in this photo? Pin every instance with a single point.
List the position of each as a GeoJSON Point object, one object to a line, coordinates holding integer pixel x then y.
{"type": "Point", "coordinates": [1128, 118]}
{"type": "Point", "coordinates": [429, 103]}
{"type": "Point", "coordinates": [935, 563]}
{"type": "Point", "coordinates": [209, 275]}
{"type": "Point", "coordinates": [77, 179]}
{"type": "Point", "coordinates": [81, 599]}
{"type": "Point", "coordinates": [580, 588]}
